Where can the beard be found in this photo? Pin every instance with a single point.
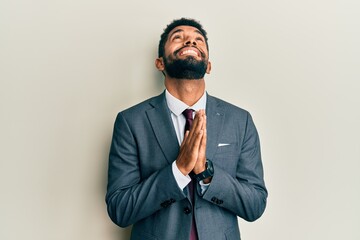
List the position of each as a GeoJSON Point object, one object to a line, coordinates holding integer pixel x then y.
{"type": "Point", "coordinates": [188, 68]}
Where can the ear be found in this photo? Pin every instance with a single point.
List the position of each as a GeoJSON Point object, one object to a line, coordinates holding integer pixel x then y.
{"type": "Point", "coordinates": [208, 69]}
{"type": "Point", "coordinates": [159, 63]}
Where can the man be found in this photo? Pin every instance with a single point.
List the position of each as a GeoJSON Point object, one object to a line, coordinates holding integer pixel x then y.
{"type": "Point", "coordinates": [172, 185]}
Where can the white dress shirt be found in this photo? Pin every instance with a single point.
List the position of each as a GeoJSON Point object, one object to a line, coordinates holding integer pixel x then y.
{"type": "Point", "coordinates": [177, 107]}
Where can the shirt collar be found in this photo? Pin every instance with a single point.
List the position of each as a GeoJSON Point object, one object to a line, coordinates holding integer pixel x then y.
{"type": "Point", "coordinates": [176, 106]}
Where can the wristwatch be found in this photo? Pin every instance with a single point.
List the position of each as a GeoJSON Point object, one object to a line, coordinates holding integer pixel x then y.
{"type": "Point", "coordinates": [209, 171]}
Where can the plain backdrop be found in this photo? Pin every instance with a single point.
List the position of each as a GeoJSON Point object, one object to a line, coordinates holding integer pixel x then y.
{"type": "Point", "coordinates": [68, 67]}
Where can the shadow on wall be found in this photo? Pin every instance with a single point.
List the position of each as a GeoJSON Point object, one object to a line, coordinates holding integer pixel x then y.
{"type": "Point", "coordinates": [157, 79]}
{"type": "Point", "coordinates": [124, 233]}
{"type": "Point", "coordinates": [115, 232]}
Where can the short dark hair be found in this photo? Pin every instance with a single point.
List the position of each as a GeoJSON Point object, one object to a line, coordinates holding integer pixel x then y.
{"type": "Point", "coordinates": [174, 24]}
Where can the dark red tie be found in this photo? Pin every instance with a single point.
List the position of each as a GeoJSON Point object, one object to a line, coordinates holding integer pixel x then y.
{"type": "Point", "coordinates": [188, 113]}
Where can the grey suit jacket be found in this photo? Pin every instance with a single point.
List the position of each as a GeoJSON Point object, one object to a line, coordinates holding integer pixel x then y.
{"type": "Point", "coordinates": [142, 189]}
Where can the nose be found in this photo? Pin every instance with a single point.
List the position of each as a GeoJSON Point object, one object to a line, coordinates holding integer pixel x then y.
{"type": "Point", "coordinates": [190, 41]}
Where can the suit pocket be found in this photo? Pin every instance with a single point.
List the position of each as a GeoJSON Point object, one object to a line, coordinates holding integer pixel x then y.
{"type": "Point", "coordinates": [230, 148]}
{"type": "Point", "coordinates": [227, 157]}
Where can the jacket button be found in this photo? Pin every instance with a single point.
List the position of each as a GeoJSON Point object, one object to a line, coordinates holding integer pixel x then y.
{"type": "Point", "coordinates": [187, 210]}
{"type": "Point", "coordinates": [216, 200]}
{"type": "Point", "coordinates": [165, 204]}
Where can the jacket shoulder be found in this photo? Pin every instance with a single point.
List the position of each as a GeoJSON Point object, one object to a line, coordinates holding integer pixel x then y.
{"type": "Point", "coordinates": [143, 106]}
{"type": "Point", "coordinates": [229, 108]}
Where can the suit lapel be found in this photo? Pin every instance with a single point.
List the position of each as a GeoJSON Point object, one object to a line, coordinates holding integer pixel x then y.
{"type": "Point", "coordinates": [160, 120]}
{"type": "Point", "coordinates": [214, 120]}
{"type": "Point", "coordinates": [163, 128]}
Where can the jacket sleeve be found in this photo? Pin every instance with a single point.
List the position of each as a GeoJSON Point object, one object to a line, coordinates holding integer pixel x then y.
{"type": "Point", "coordinates": [246, 194]}
{"type": "Point", "coordinates": [130, 198]}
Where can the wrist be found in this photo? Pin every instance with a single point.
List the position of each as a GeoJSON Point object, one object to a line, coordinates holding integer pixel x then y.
{"type": "Point", "coordinates": [181, 168]}
{"type": "Point", "coordinates": [200, 166]}
{"type": "Point", "coordinates": [198, 170]}
{"type": "Point", "coordinates": [206, 174]}
{"type": "Point", "coordinates": [207, 180]}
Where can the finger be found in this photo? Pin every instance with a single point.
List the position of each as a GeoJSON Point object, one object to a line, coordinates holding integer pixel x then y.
{"type": "Point", "coordinates": [193, 141]}
{"type": "Point", "coordinates": [202, 116]}
{"type": "Point", "coordinates": [204, 128]}
{"type": "Point", "coordinates": [190, 146]}
{"type": "Point", "coordinates": [196, 128]}
{"type": "Point", "coordinates": [185, 138]}
{"type": "Point", "coordinates": [196, 141]}
{"type": "Point", "coordinates": [198, 120]}
{"type": "Point", "coordinates": [202, 147]}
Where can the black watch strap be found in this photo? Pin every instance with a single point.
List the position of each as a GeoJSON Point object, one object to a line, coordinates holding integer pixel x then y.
{"type": "Point", "coordinates": [209, 171]}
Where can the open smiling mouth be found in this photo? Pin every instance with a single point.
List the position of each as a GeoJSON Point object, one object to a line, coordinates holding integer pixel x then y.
{"type": "Point", "coordinates": [189, 52]}
{"type": "Point", "coordinates": [186, 51]}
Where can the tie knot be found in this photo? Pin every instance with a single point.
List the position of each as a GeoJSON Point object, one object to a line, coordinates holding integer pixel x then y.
{"type": "Point", "coordinates": [188, 113]}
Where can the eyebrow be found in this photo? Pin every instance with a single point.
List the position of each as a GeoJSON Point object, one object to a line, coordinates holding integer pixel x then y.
{"type": "Point", "coordinates": [180, 30]}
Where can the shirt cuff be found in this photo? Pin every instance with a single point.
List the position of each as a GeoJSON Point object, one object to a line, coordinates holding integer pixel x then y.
{"type": "Point", "coordinates": [203, 186]}
{"type": "Point", "coordinates": [180, 178]}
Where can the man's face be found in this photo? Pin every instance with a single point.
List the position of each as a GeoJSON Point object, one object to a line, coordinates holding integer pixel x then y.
{"type": "Point", "coordinates": [186, 54]}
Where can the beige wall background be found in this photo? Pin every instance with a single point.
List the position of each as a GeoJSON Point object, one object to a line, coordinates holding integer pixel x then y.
{"type": "Point", "coordinates": [67, 68]}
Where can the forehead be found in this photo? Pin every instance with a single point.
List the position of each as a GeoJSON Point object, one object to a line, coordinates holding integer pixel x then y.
{"type": "Point", "coordinates": [185, 29]}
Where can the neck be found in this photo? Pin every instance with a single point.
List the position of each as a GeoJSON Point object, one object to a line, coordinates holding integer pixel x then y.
{"type": "Point", "coordinates": [188, 91]}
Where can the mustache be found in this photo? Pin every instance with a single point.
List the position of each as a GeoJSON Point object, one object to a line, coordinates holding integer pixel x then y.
{"type": "Point", "coordinates": [201, 53]}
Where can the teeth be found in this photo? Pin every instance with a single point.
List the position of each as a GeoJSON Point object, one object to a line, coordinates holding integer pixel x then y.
{"type": "Point", "coordinates": [190, 52]}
